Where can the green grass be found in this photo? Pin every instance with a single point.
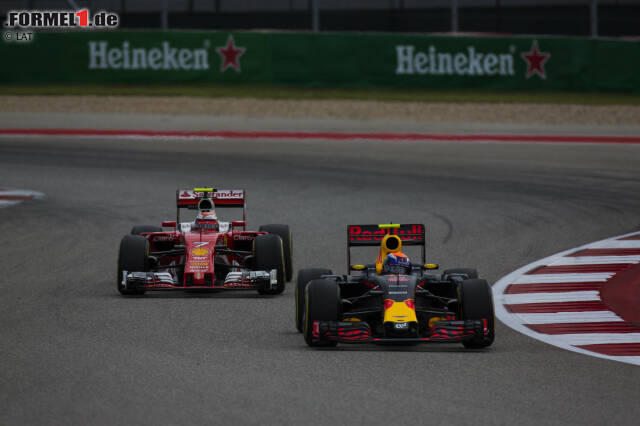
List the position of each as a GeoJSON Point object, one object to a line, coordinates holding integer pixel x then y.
{"type": "Point", "coordinates": [274, 92]}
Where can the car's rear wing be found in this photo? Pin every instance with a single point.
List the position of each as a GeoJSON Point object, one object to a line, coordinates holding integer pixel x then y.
{"type": "Point", "coordinates": [371, 235]}
{"type": "Point", "coordinates": [190, 198]}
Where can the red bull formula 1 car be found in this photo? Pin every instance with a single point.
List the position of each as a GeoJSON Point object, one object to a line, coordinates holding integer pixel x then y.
{"type": "Point", "coordinates": [205, 254]}
{"type": "Point", "coordinates": [407, 305]}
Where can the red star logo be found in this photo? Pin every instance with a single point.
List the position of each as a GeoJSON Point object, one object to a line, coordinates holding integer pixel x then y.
{"type": "Point", "coordinates": [535, 61]}
{"type": "Point", "coordinates": [230, 55]}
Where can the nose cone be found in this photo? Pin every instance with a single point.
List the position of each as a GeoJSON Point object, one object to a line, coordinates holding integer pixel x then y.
{"type": "Point", "coordinates": [399, 312]}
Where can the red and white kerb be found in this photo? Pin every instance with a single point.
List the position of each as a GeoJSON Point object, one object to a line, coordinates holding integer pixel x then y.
{"type": "Point", "coordinates": [586, 299]}
{"type": "Point", "coordinates": [11, 197]}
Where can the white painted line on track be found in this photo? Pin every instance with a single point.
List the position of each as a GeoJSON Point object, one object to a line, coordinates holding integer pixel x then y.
{"type": "Point", "coordinates": [21, 193]}
{"type": "Point", "coordinates": [611, 343]}
{"type": "Point", "coordinates": [599, 338]}
{"type": "Point", "coordinates": [563, 278]}
{"type": "Point", "coordinates": [569, 317]}
{"type": "Point", "coordinates": [595, 260]}
{"type": "Point", "coordinates": [261, 134]}
{"type": "Point", "coordinates": [572, 296]}
{"type": "Point", "coordinates": [627, 359]}
{"type": "Point", "coordinates": [617, 244]}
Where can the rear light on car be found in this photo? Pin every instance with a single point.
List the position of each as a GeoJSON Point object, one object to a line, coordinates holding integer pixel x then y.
{"type": "Point", "coordinates": [410, 303]}
{"type": "Point", "coordinates": [388, 303]}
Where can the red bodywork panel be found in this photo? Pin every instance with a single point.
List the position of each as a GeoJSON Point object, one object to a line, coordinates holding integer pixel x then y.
{"type": "Point", "coordinates": [200, 255]}
{"type": "Point", "coordinates": [200, 250]}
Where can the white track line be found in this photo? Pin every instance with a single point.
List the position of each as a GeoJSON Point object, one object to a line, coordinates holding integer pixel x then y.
{"type": "Point", "coordinates": [572, 296]}
{"type": "Point", "coordinates": [568, 317]}
{"type": "Point", "coordinates": [627, 359]}
{"type": "Point", "coordinates": [567, 341]}
{"type": "Point", "coordinates": [599, 338]}
{"type": "Point", "coordinates": [595, 260]}
{"type": "Point", "coordinates": [7, 203]}
{"type": "Point", "coordinates": [563, 278]}
{"type": "Point", "coordinates": [617, 244]}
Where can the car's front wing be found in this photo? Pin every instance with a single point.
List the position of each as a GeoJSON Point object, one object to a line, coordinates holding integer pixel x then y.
{"type": "Point", "coordinates": [243, 280]}
{"type": "Point", "coordinates": [360, 332]}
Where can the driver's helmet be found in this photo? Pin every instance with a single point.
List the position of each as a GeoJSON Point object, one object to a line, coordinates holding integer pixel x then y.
{"type": "Point", "coordinates": [207, 220]}
{"type": "Point", "coordinates": [396, 263]}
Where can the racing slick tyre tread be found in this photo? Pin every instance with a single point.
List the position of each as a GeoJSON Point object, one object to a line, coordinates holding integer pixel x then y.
{"type": "Point", "coordinates": [477, 303]}
{"type": "Point", "coordinates": [304, 276]}
{"type": "Point", "coordinates": [287, 244]}
{"type": "Point", "coordinates": [269, 254]}
{"type": "Point", "coordinates": [133, 256]}
{"type": "Point", "coordinates": [139, 229]}
{"type": "Point", "coordinates": [322, 304]}
{"type": "Point", "coordinates": [472, 274]}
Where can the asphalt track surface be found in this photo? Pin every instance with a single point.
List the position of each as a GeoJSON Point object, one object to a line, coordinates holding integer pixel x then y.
{"type": "Point", "coordinates": [73, 351]}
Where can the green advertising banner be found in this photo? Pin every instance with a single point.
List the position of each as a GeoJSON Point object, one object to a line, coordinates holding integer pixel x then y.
{"type": "Point", "coordinates": [304, 59]}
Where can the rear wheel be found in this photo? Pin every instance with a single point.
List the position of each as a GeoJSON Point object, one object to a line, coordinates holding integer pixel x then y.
{"type": "Point", "coordinates": [139, 229]}
{"type": "Point", "coordinates": [268, 254]}
{"type": "Point", "coordinates": [283, 232]}
{"type": "Point", "coordinates": [471, 274]}
{"type": "Point", "coordinates": [477, 304]}
{"type": "Point", "coordinates": [132, 257]}
{"type": "Point", "coordinates": [322, 304]}
{"type": "Point", "coordinates": [304, 276]}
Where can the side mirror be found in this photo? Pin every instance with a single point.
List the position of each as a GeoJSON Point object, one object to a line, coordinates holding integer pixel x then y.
{"type": "Point", "coordinates": [168, 223]}
{"type": "Point", "coordinates": [431, 266]}
{"type": "Point", "coordinates": [239, 224]}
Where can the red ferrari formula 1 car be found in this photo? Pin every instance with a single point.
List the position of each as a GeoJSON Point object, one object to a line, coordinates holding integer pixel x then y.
{"type": "Point", "coordinates": [206, 253]}
{"type": "Point", "coordinates": [393, 301]}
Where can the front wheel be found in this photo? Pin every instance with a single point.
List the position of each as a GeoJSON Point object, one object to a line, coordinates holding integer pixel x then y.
{"type": "Point", "coordinates": [268, 254]}
{"type": "Point", "coordinates": [304, 276]}
{"type": "Point", "coordinates": [323, 303]}
{"type": "Point", "coordinates": [477, 304]}
{"type": "Point", "coordinates": [133, 256]}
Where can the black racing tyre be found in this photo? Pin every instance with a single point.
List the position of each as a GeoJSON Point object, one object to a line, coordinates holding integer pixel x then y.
{"type": "Point", "coordinates": [322, 303]}
{"type": "Point", "coordinates": [139, 229]}
{"type": "Point", "coordinates": [268, 254]}
{"type": "Point", "coordinates": [304, 276]}
{"type": "Point", "coordinates": [283, 232]}
{"type": "Point", "coordinates": [133, 257]}
{"type": "Point", "coordinates": [471, 274]}
{"type": "Point", "coordinates": [477, 304]}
